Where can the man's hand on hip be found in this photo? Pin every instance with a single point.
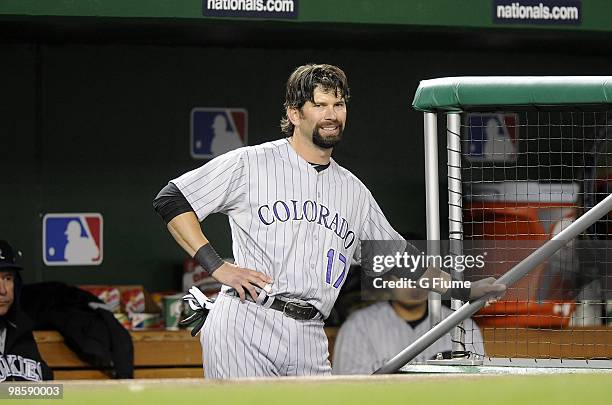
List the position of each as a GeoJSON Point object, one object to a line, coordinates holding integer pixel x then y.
{"type": "Point", "coordinates": [241, 279]}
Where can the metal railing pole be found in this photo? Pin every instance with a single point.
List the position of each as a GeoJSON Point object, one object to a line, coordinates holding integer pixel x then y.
{"type": "Point", "coordinates": [455, 211]}
{"type": "Point", "coordinates": [432, 207]}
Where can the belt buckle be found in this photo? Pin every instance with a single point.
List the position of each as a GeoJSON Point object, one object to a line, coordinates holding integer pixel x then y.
{"type": "Point", "coordinates": [295, 315]}
{"type": "Point", "coordinates": [288, 315]}
{"type": "Point", "coordinates": [301, 312]}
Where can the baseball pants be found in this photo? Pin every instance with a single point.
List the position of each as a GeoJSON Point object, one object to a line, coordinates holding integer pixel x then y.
{"type": "Point", "coordinates": [243, 339]}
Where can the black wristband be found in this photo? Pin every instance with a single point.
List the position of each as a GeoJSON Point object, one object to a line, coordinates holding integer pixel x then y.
{"type": "Point", "coordinates": [208, 258]}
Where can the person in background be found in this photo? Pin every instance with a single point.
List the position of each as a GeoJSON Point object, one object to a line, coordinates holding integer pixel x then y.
{"type": "Point", "coordinates": [19, 356]}
{"type": "Point", "coordinates": [372, 336]}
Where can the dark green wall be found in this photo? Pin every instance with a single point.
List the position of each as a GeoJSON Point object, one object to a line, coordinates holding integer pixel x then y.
{"type": "Point", "coordinates": [102, 127]}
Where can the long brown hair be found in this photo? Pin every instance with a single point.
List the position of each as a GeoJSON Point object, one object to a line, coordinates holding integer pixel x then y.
{"type": "Point", "coordinates": [302, 84]}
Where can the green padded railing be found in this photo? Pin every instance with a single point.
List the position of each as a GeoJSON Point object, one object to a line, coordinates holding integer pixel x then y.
{"type": "Point", "coordinates": [458, 93]}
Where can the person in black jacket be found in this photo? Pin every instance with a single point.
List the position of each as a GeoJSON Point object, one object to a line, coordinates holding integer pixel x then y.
{"type": "Point", "coordinates": [19, 356]}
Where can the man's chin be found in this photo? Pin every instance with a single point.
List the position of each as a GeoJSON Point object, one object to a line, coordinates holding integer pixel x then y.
{"type": "Point", "coordinates": [326, 142]}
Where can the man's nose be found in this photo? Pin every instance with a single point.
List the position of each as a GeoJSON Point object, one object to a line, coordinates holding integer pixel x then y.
{"type": "Point", "coordinates": [2, 288]}
{"type": "Point", "coordinates": [330, 113]}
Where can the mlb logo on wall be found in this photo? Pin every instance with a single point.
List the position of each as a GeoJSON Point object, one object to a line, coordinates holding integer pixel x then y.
{"type": "Point", "coordinates": [215, 131]}
{"type": "Point", "coordinates": [491, 137]}
{"type": "Point", "coordinates": [72, 239]}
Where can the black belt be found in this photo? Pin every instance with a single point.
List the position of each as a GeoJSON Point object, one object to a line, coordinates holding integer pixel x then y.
{"type": "Point", "coordinates": [291, 309]}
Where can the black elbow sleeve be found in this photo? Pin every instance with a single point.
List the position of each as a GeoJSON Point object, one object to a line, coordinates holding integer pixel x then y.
{"type": "Point", "coordinates": [170, 202]}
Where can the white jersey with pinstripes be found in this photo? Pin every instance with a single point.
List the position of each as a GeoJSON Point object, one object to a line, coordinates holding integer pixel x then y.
{"type": "Point", "coordinates": [297, 225]}
{"type": "Point", "coordinates": [372, 336]}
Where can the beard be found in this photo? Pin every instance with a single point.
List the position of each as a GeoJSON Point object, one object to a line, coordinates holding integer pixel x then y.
{"type": "Point", "coordinates": [326, 142]}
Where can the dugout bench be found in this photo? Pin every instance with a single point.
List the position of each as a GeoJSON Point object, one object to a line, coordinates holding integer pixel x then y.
{"type": "Point", "coordinates": [157, 354]}
{"type": "Point", "coordinates": [175, 354]}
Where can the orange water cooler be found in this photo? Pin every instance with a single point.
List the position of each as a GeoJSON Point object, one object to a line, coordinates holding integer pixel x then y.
{"type": "Point", "coordinates": [512, 219]}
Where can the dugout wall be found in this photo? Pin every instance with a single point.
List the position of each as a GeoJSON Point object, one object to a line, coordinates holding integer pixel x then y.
{"type": "Point", "coordinates": [96, 113]}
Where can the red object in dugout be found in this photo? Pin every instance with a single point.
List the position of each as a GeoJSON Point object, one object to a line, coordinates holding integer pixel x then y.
{"type": "Point", "coordinates": [522, 211]}
{"type": "Point", "coordinates": [510, 314]}
{"type": "Point", "coordinates": [106, 293]}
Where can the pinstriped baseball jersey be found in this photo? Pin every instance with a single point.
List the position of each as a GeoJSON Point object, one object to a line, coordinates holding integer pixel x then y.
{"type": "Point", "coordinates": [374, 335]}
{"type": "Point", "coordinates": [289, 221]}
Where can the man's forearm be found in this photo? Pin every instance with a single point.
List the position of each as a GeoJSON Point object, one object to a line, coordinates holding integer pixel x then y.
{"type": "Point", "coordinates": [476, 289]}
{"type": "Point", "coordinates": [186, 230]}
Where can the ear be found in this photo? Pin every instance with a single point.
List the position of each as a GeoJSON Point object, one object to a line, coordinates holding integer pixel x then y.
{"type": "Point", "coordinates": [294, 115]}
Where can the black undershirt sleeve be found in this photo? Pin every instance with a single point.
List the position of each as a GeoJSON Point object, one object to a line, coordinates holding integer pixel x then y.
{"type": "Point", "coordinates": [170, 202]}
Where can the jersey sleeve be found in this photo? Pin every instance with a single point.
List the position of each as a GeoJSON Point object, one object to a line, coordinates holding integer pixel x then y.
{"type": "Point", "coordinates": [217, 186]}
{"type": "Point", "coordinates": [378, 237]}
{"type": "Point", "coordinates": [376, 228]}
